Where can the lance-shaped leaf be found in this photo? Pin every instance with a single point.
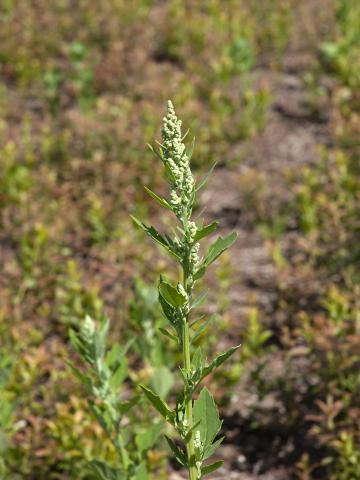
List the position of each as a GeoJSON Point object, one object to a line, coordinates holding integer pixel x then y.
{"type": "Point", "coordinates": [218, 247]}
{"type": "Point", "coordinates": [119, 374]}
{"type": "Point", "coordinates": [158, 404]}
{"type": "Point", "coordinates": [199, 274]}
{"type": "Point", "coordinates": [190, 149]}
{"type": "Point", "coordinates": [211, 468]}
{"type": "Point", "coordinates": [81, 376]}
{"type": "Point", "coordinates": [84, 346]}
{"type": "Point", "coordinates": [102, 416]}
{"type": "Point", "coordinates": [171, 295]}
{"type": "Point", "coordinates": [169, 175]}
{"type": "Point", "coordinates": [101, 336]}
{"type": "Point", "coordinates": [197, 320]}
{"type": "Point", "coordinates": [185, 135]}
{"type": "Point", "coordinates": [220, 359]}
{"type": "Point", "coordinates": [153, 233]}
{"type": "Point", "coordinates": [202, 328]}
{"type": "Point", "coordinates": [180, 455]}
{"type": "Point", "coordinates": [171, 314]}
{"type": "Point", "coordinates": [152, 149]}
{"type": "Point", "coordinates": [198, 301]}
{"type": "Point", "coordinates": [205, 231]}
{"type": "Point", "coordinates": [160, 200]}
{"type": "Point", "coordinates": [115, 355]}
{"type": "Point", "coordinates": [205, 178]}
{"type": "Point", "coordinates": [168, 310]}
{"type": "Point", "coordinates": [206, 411]}
{"type": "Point", "coordinates": [168, 334]}
{"type": "Point", "coordinates": [197, 358]}
{"type": "Point", "coordinates": [210, 449]}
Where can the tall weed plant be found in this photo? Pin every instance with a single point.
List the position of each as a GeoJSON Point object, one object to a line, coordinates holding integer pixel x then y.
{"type": "Point", "coordinates": [193, 417]}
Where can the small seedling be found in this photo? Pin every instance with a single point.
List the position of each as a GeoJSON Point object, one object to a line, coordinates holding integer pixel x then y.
{"type": "Point", "coordinates": [104, 380]}
{"type": "Point", "coordinates": [196, 421]}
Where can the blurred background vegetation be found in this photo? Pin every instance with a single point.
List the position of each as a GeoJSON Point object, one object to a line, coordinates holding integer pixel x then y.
{"type": "Point", "coordinates": [271, 91]}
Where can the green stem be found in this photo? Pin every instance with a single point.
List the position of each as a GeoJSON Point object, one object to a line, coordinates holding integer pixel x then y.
{"type": "Point", "coordinates": [187, 367]}
{"type": "Point", "coordinates": [188, 404]}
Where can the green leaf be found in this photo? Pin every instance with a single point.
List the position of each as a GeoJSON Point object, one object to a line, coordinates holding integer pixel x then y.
{"type": "Point", "coordinates": [220, 359]}
{"type": "Point", "coordinates": [87, 354]}
{"type": "Point", "coordinates": [116, 353]}
{"type": "Point", "coordinates": [104, 472]}
{"type": "Point", "coordinates": [197, 320]}
{"type": "Point", "coordinates": [166, 333]}
{"type": "Point", "coordinates": [180, 455]}
{"type": "Point", "coordinates": [211, 468]}
{"type": "Point", "coordinates": [170, 313]}
{"type": "Point", "coordinates": [198, 301]}
{"type": "Point", "coordinates": [206, 177]}
{"type": "Point", "coordinates": [206, 411]}
{"type": "Point", "coordinates": [154, 234]}
{"type": "Point", "coordinates": [168, 174]}
{"type": "Point", "coordinates": [210, 449]}
{"type": "Point", "coordinates": [205, 231]}
{"type": "Point", "coordinates": [168, 310]}
{"type": "Point", "coordinates": [199, 274]}
{"type": "Point", "coordinates": [113, 355]}
{"type": "Point", "coordinates": [147, 438]}
{"type": "Point", "coordinates": [152, 149]}
{"type": "Point", "coordinates": [162, 381]}
{"type": "Point", "coordinates": [160, 200]}
{"type": "Point", "coordinates": [86, 381]}
{"type": "Point", "coordinates": [100, 338]}
{"type": "Point", "coordinates": [119, 374]}
{"type": "Point", "coordinates": [102, 417]}
{"type": "Point", "coordinates": [190, 150]}
{"type": "Point", "coordinates": [197, 359]}
{"type": "Point", "coordinates": [218, 247]}
{"type": "Point", "coordinates": [158, 404]}
{"type": "Point", "coordinates": [202, 328]}
{"type": "Point", "coordinates": [171, 295]}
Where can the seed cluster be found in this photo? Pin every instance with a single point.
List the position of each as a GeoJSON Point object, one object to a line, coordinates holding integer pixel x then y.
{"type": "Point", "coordinates": [182, 184]}
{"type": "Point", "coordinates": [177, 161]}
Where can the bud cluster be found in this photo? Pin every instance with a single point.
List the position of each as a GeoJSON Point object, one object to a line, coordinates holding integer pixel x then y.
{"type": "Point", "coordinates": [194, 250]}
{"type": "Point", "coordinates": [198, 445]}
{"type": "Point", "coordinates": [182, 291]}
{"type": "Point", "coordinates": [176, 159]}
{"type": "Point", "coordinates": [88, 329]}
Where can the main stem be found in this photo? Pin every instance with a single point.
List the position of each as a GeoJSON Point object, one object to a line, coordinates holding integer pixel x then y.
{"type": "Point", "coordinates": [187, 367]}
{"type": "Point", "coordinates": [188, 404]}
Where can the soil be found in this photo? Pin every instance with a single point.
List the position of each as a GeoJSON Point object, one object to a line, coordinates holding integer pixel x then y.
{"type": "Point", "coordinates": [290, 141]}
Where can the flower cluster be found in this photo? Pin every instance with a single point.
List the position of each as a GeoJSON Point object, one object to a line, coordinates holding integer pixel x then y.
{"type": "Point", "coordinates": [194, 250]}
{"type": "Point", "coordinates": [177, 161]}
{"type": "Point", "coordinates": [198, 445]}
{"type": "Point", "coordinates": [87, 330]}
